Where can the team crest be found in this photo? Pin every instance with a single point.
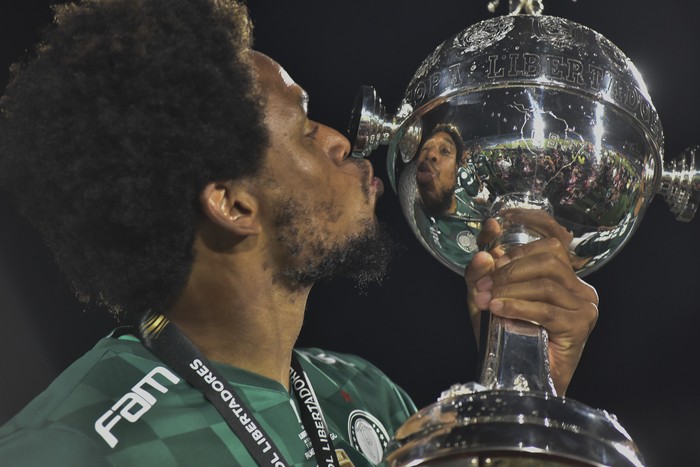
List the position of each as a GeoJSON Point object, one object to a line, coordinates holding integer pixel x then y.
{"type": "Point", "coordinates": [467, 241]}
{"type": "Point", "coordinates": [367, 435]}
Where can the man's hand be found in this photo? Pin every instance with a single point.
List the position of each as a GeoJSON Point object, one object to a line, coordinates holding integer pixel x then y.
{"type": "Point", "coordinates": [535, 283]}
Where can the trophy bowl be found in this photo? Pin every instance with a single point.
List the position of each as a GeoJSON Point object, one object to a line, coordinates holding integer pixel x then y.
{"type": "Point", "coordinates": [543, 109]}
{"type": "Point", "coordinates": [547, 126]}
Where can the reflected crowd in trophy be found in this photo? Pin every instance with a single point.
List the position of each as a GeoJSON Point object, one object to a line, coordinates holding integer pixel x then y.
{"type": "Point", "coordinates": [596, 189]}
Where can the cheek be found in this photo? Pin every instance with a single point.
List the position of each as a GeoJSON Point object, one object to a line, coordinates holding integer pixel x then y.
{"type": "Point", "coordinates": [351, 199]}
{"type": "Point", "coordinates": [447, 165]}
{"type": "Point", "coordinates": [303, 178]}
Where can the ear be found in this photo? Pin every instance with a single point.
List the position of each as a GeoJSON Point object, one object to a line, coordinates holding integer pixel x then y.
{"type": "Point", "coordinates": [231, 206]}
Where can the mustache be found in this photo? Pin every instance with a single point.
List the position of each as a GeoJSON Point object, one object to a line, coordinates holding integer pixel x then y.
{"type": "Point", "coordinates": [425, 166]}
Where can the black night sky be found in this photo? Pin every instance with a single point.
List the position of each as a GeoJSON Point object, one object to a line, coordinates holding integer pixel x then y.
{"type": "Point", "coordinates": [639, 361]}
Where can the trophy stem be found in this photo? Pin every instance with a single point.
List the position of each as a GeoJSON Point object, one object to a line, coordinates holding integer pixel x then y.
{"type": "Point", "coordinates": [515, 353]}
{"type": "Point", "coordinates": [516, 357]}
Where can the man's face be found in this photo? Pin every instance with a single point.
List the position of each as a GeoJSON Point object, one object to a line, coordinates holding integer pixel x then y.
{"type": "Point", "coordinates": [320, 202]}
{"type": "Point", "coordinates": [437, 172]}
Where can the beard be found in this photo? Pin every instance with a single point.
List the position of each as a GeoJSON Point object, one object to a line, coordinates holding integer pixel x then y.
{"type": "Point", "coordinates": [437, 203]}
{"type": "Point", "coordinates": [312, 255]}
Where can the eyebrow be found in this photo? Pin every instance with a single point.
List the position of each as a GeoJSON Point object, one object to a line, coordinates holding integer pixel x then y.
{"type": "Point", "coordinates": [449, 140]}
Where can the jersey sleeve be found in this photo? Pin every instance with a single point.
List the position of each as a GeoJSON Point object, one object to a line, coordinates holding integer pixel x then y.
{"type": "Point", "coordinates": [54, 445]}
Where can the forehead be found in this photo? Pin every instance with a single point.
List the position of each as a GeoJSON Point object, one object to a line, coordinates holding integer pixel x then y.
{"type": "Point", "coordinates": [441, 137]}
{"type": "Point", "coordinates": [276, 85]}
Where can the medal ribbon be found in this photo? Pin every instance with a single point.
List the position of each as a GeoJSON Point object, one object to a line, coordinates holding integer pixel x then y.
{"type": "Point", "coordinates": [169, 344]}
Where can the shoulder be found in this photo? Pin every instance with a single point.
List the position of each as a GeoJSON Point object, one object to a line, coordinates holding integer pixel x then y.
{"type": "Point", "coordinates": [355, 374]}
{"type": "Point", "coordinates": [343, 365]}
{"type": "Point", "coordinates": [102, 372]}
{"type": "Point", "coordinates": [71, 420]}
{"type": "Point", "coordinates": [55, 444]}
{"type": "Point", "coordinates": [361, 405]}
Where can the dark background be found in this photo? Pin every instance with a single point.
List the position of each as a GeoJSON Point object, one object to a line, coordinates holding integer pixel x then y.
{"type": "Point", "coordinates": [638, 362]}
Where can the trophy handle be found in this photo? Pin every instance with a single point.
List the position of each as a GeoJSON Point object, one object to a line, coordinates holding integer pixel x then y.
{"type": "Point", "coordinates": [370, 125]}
{"type": "Point", "coordinates": [680, 184]}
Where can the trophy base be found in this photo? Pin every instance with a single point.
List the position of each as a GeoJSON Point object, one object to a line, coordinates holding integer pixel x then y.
{"type": "Point", "coordinates": [511, 428]}
{"type": "Point", "coordinates": [499, 459]}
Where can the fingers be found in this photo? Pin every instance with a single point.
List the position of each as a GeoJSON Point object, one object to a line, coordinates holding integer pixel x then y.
{"type": "Point", "coordinates": [575, 321]}
{"type": "Point", "coordinates": [537, 290]}
{"type": "Point", "coordinates": [547, 246]}
{"type": "Point", "coordinates": [481, 265]}
{"type": "Point", "coordinates": [490, 230]}
{"type": "Point", "coordinates": [534, 282]}
{"type": "Point", "coordinates": [541, 272]}
{"type": "Point", "coordinates": [543, 258]}
{"type": "Point", "coordinates": [540, 222]}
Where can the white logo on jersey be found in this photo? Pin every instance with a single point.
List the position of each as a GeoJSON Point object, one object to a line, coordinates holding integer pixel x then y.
{"type": "Point", "coordinates": [329, 359]}
{"type": "Point", "coordinates": [367, 435]}
{"type": "Point", "coordinates": [138, 397]}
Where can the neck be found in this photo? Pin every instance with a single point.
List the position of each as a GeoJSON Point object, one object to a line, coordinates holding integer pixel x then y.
{"type": "Point", "coordinates": [453, 205]}
{"type": "Point", "coordinates": [241, 315]}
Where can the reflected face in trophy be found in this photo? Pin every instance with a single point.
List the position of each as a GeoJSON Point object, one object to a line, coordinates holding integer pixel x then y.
{"type": "Point", "coordinates": [436, 175]}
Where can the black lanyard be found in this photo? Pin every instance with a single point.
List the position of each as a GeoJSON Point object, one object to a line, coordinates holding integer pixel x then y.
{"type": "Point", "coordinates": [167, 342]}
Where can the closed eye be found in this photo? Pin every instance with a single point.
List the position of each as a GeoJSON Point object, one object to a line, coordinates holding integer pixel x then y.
{"type": "Point", "coordinates": [314, 130]}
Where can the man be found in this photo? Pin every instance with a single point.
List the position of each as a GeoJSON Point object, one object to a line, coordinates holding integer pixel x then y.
{"type": "Point", "coordinates": [446, 188]}
{"type": "Point", "coordinates": [439, 158]}
{"type": "Point", "coordinates": [179, 182]}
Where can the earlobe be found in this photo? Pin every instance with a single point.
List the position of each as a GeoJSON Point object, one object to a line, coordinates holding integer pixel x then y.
{"type": "Point", "coordinates": [232, 207]}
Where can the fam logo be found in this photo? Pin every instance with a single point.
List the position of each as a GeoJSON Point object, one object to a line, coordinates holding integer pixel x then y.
{"type": "Point", "coordinates": [134, 404]}
{"type": "Point", "coordinates": [367, 435]}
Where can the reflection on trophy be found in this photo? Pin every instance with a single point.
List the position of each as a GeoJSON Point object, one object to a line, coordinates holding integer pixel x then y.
{"type": "Point", "coordinates": [447, 185]}
{"type": "Point", "coordinates": [547, 126]}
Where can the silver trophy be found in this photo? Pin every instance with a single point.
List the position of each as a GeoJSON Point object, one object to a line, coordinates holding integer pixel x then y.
{"type": "Point", "coordinates": [547, 126]}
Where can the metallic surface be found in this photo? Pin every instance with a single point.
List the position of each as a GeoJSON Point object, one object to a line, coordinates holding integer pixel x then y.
{"type": "Point", "coordinates": [545, 107]}
{"type": "Point", "coordinates": [551, 130]}
{"type": "Point", "coordinates": [515, 428]}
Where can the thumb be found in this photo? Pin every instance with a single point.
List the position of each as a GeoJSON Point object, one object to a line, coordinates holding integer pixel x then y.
{"type": "Point", "coordinates": [482, 264]}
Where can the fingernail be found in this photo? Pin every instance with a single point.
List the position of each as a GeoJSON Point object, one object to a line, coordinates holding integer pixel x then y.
{"type": "Point", "coordinates": [496, 306]}
{"type": "Point", "coordinates": [484, 284]}
{"type": "Point", "coordinates": [482, 300]}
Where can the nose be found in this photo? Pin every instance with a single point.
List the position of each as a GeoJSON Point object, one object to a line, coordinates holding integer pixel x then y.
{"type": "Point", "coordinates": [429, 154]}
{"type": "Point", "coordinates": [334, 143]}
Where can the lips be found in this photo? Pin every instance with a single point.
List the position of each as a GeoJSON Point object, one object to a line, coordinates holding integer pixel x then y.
{"type": "Point", "coordinates": [378, 185]}
{"type": "Point", "coordinates": [424, 173]}
{"type": "Point", "coordinates": [374, 182]}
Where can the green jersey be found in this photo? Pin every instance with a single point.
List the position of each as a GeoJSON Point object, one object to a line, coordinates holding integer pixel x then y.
{"type": "Point", "coordinates": [119, 405]}
{"type": "Point", "coordinates": [453, 236]}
